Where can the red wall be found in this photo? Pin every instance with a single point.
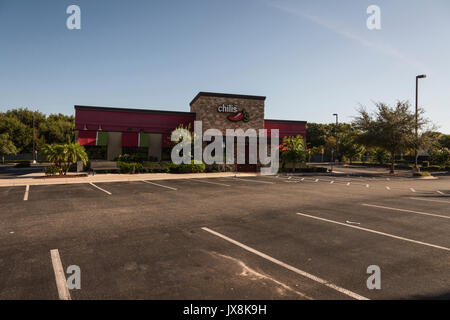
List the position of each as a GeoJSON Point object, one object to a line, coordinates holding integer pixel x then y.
{"type": "Point", "coordinates": [160, 122]}
{"type": "Point", "coordinates": [130, 121]}
{"type": "Point", "coordinates": [286, 128]}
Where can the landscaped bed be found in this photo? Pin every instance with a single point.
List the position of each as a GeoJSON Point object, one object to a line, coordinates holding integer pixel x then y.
{"type": "Point", "coordinates": [58, 176]}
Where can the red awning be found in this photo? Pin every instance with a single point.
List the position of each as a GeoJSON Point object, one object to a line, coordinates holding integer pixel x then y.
{"type": "Point", "coordinates": [130, 139]}
{"type": "Point", "coordinates": [87, 138]}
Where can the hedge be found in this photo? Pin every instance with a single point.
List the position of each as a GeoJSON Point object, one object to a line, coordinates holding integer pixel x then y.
{"type": "Point", "coordinates": [155, 167]}
{"type": "Point", "coordinates": [186, 168]}
{"type": "Point", "coordinates": [129, 167]}
{"type": "Point", "coordinates": [312, 169]}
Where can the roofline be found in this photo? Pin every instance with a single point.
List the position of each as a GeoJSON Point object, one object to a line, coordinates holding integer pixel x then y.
{"type": "Point", "coordinates": [285, 121]}
{"type": "Point", "coordinates": [226, 95]}
{"type": "Point", "coordinates": [96, 108]}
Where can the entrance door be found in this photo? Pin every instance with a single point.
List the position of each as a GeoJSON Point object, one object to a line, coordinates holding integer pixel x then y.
{"type": "Point", "coordinates": [245, 167]}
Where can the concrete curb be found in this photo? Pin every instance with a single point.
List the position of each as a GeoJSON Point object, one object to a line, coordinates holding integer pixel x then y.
{"type": "Point", "coordinates": [118, 178]}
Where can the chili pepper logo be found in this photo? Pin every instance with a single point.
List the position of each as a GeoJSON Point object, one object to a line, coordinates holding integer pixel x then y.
{"type": "Point", "coordinates": [240, 115]}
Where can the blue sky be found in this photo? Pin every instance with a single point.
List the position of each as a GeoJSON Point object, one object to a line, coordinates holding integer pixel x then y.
{"type": "Point", "coordinates": [310, 58]}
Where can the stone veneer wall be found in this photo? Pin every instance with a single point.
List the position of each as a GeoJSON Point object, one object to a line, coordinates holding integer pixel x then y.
{"type": "Point", "coordinates": [205, 108]}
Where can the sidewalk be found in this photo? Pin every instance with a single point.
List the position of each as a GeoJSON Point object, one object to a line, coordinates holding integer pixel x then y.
{"type": "Point", "coordinates": [23, 181]}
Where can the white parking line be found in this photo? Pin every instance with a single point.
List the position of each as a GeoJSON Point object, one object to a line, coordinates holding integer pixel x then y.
{"type": "Point", "coordinates": [348, 183]}
{"type": "Point", "coordinates": [440, 192]}
{"type": "Point", "coordinates": [209, 182]}
{"type": "Point", "coordinates": [388, 188]}
{"type": "Point", "coordinates": [332, 181]}
{"type": "Point", "coordinates": [431, 200]}
{"type": "Point", "coordinates": [105, 191]}
{"type": "Point", "coordinates": [376, 232]}
{"type": "Point", "coordinates": [60, 277]}
{"type": "Point", "coordinates": [27, 191]}
{"type": "Point", "coordinates": [408, 211]}
{"type": "Point", "coordinates": [258, 181]}
{"type": "Point", "coordinates": [159, 185]}
{"type": "Point", "coordinates": [412, 189]}
{"type": "Point", "coordinates": [287, 266]}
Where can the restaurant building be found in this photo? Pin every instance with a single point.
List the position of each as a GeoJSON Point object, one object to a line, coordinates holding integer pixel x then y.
{"type": "Point", "coordinates": [116, 131]}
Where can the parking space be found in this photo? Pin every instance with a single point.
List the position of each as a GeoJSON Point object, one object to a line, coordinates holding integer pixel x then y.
{"type": "Point", "coordinates": [26, 273]}
{"type": "Point", "coordinates": [229, 238]}
{"type": "Point", "coordinates": [62, 192]}
{"type": "Point", "coordinates": [11, 194]}
{"type": "Point", "coordinates": [341, 256]}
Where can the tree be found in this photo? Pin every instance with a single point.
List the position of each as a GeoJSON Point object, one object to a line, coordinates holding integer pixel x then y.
{"type": "Point", "coordinates": [57, 129]}
{"type": "Point", "coordinates": [317, 134]}
{"type": "Point", "coordinates": [444, 141]}
{"type": "Point", "coordinates": [18, 123]}
{"type": "Point", "coordinates": [381, 155]}
{"type": "Point", "coordinates": [6, 146]}
{"type": "Point", "coordinates": [348, 143]}
{"type": "Point", "coordinates": [350, 149]}
{"type": "Point", "coordinates": [72, 152]}
{"type": "Point", "coordinates": [54, 153]}
{"type": "Point", "coordinates": [390, 128]}
{"type": "Point", "coordinates": [64, 155]}
{"type": "Point", "coordinates": [293, 149]}
{"type": "Point", "coordinates": [20, 135]}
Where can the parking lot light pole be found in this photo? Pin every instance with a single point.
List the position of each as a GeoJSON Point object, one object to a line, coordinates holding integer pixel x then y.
{"type": "Point", "coordinates": [336, 133]}
{"type": "Point", "coordinates": [422, 76]}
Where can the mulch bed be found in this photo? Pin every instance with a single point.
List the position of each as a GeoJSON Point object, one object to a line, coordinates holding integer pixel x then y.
{"type": "Point", "coordinates": [62, 176]}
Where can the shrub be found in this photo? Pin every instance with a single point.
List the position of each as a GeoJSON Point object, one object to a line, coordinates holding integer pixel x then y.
{"type": "Point", "coordinates": [23, 164]}
{"type": "Point", "coordinates": [433, 168]}
{"type": "Point", "coordinates": [404, 166]}
{"type": "Point", "coordinates": [52, 170]}
{"type": "Point", "coordinates": [154, 167]}
{"type": "Point", "coordinates": [313, 169]}
{"type": "Point", "coordinates": [381, 156]}
{"type": "Point", "coordinates": [186, 168]}
{"type": "Point", "coordinates": [132, 158]}
{"type": "Point", "coordinates": [422, 174]}
{"type": "Point", "coordinates": [129, 167]}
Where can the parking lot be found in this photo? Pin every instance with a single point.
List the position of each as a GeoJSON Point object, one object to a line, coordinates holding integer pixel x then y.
{"type": "Point", "coordinates": [280, 237]}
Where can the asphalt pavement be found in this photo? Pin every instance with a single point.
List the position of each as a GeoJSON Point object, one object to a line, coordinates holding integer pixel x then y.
{"type": "Point", "coordinates": [283, 237]}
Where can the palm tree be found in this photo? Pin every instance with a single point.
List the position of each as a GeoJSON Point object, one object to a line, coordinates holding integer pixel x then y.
{"type": "Point", "coordinates": [72, 152]}
{"type": "Point", "coordinates": [54, 153]}
{"type": "Point", "coordinates": [64, 155]}
{"type": "Point", "coordinates": [293, 149]}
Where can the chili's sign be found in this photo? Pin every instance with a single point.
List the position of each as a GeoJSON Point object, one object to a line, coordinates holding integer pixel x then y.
{"type": "Point", "coordinates": [236, 115]}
